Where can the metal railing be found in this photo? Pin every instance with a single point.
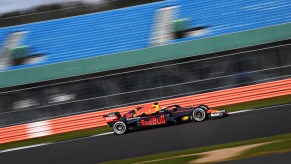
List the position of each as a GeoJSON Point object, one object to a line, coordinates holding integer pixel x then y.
{"type": "Point", "coordinates": [147, 85]}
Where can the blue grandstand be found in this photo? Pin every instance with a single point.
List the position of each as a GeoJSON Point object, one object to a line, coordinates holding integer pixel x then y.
{"type": "Point", "coordinates": [130, 28]}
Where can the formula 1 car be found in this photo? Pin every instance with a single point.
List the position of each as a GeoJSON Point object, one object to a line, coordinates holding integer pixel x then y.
{"type": "Point", "coordinates": [170, 115]}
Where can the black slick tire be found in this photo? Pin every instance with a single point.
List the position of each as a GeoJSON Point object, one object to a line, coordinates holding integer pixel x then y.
{"type": "Point", "coordinates": [199, 115]}
{"type": "Point", "coordinates": [119, 128]}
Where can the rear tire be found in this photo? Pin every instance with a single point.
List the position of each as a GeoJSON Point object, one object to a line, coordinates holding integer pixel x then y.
{"type": "Point", "coordinates": [119, 128]}
{"type": "Point", "coordinates": [199, 114]}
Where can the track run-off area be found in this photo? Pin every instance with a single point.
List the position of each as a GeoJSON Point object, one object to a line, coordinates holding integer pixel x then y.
{"type": "Point", "coordinates": [237, 127]}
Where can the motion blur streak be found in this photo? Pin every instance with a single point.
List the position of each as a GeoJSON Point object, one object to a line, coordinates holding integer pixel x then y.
{"type": "Point", "coordinates": [238, 127]}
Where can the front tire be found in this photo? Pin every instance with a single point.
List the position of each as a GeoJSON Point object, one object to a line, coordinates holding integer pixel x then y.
{"type": "Point", "coordinates": [199, 115]}
{"type": "Point", "coordinates": [119, 128]}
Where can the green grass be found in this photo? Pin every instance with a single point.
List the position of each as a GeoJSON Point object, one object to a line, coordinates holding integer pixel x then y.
{"type": "Point", "coordinates": [98, 130]}
{"type": "Point", "coordinates": [56, 138]}
{"type": "Point", "coordinates": [174, 155]}
{"type": "Point", "coordinates": [178, 160]}
{"type": "Point", "coordinates": [258, 103]}
{"type": "Point", "coordinates": [181, 159]}
{"type": "Point", "coordinates": [277, 147]}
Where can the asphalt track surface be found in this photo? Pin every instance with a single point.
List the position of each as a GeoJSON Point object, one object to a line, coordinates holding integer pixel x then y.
{"type": "Point", "coordinates": [237, 127]}
{"type": "Point", "coordinates": [282, 158]}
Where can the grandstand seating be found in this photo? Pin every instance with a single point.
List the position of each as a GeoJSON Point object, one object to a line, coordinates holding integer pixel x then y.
{"type": "Point", "coordinates": [130, 28]}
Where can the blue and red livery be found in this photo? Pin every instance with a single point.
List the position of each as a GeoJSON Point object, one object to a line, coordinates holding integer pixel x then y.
{"type": "Point", "coordinates": [170, 115]}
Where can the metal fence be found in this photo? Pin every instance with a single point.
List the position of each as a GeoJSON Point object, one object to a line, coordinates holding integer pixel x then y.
{"type": "Point", "coordinates": [145, 85]}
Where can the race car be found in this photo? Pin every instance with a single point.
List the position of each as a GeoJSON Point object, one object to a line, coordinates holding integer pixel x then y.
{"type": "Point", "coordinates": [173, 114]}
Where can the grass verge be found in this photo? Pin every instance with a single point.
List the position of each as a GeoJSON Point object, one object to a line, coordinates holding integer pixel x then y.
{"type": "Point", "coordinates": [277, 147]}
{"type": "Point", "coordinates": [185, 156]}
{"type": "Point", "coordinates": [56, 138]}
{"type": "Point", "coordinates": [99, 130]}
{"type": "Point", "coordinates": [258, 103]}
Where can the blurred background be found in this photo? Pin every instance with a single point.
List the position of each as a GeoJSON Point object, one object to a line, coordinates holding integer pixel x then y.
{"type": "Point", "coordinates": [65, 57]}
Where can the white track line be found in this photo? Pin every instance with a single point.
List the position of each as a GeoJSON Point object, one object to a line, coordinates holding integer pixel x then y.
{"type": "Point", "coordinates": [241, 111]}
{"type": "Point", "coordinates": [102, 134]}
{"type": "Point", "coordinates": [24, 147]}
{"type": "Point", "coordinates": [108, 133]}
{"type": "Point", "coordinates": [262, 108]}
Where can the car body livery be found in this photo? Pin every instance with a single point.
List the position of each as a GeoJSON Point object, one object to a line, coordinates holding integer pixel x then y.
{"type": "Point", "coordinates": [145, 117]}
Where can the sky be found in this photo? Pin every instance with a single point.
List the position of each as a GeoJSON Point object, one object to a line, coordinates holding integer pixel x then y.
{"type": "Point", "coordinates": [14, 5]}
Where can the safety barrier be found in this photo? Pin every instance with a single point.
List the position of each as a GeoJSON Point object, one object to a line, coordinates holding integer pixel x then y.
{"type": "Point", "coordinates": [94, 119]}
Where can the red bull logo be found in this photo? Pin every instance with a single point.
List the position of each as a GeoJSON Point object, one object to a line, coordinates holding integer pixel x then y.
{"type": "Point", "coordinates": [154, 121]}
{"type": "Point", "coordinates": [147, 109]}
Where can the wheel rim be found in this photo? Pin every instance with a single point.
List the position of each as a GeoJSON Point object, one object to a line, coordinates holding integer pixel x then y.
{"type": "Point", "coordinates": [199, 115]}
{"type": "Point", "coordinates": [119, 128]}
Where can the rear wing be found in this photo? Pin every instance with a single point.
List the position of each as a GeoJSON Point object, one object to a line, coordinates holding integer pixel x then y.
{"type": "Point", "coordinates": [111, 118]}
